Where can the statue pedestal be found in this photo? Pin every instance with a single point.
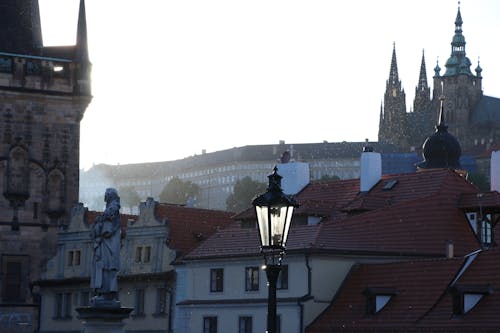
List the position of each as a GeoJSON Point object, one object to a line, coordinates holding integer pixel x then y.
{"type": "Point", "coordinates": [103, 318]}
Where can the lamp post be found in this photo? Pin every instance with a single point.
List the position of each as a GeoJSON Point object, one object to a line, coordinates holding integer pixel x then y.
{"type": "Point", "coordinates": [274, 213]}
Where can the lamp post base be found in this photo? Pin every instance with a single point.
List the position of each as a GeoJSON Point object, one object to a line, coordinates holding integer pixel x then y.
{"type": "Point", "coordinates": [272, 272]}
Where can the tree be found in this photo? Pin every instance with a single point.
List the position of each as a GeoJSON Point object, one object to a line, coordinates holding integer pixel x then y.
{"type": "Point", "coordinates": [179, 192]}
{"type": "Point", "coordinates": [479, 180]}
{"type": "Point", "coordinates": [244, 191]}
{"type": "Point", "coordinates": [329, 178]}
{"type": "Point", "coordinates": [129, 197]}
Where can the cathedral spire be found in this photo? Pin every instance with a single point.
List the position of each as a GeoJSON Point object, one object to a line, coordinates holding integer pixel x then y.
{"type": "Point", "coordinates": [422, 79]}
{"type": "Point", "coordinates": [393, 74]}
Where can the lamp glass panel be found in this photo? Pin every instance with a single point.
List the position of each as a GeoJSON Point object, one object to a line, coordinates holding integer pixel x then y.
{"type": "Point", "coordinates": [262, 221]}
{"type": "Point", "coordinates": [287, 223]}
{"type": "Point", "coordinates": [278, 219]}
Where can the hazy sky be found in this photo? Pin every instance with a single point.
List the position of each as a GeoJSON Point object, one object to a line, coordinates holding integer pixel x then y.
{"type": "Point", "coordinates": [171, 78]}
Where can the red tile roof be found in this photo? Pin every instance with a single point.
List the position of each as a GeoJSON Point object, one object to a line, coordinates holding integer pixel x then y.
{"type": "Point", "coordinates": [489, 200]}
{"type": "Point", "coordinates": [484, 271]}
{"type": "Point", "coordinates": [416, 217]}
{"type": "Point", "coordinates": [417, 227]}
{"type": "Point", "coordinates": [424, 299]}
{"type": "Point", "coordinates": [418, 286]}
{"type": "Point", "coordinates": [91, 215]}
{"type": "Point", "coordinates": [189, 226]}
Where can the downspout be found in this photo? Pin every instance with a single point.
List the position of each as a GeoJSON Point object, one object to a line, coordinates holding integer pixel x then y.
{"type": "Point", "coordinates": [299, 301]}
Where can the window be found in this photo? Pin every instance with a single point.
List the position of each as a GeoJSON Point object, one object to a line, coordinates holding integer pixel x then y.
{"type": "Point", "coordinates": [245, 325]}
{"type": "Point", "coordinates": [216, 280]}
{"type": "Point", "coordinates": [486, 230]}
{"type": "Point", "coordinates": [209, 324]}
{"type": "Point", "coordinates": [139, 303]}
{"type": "Point", "coordinates": [161, 301]}
{"type": "Point", "coordinates": [378, 298]}
{"type": "Point", "coordinates": [147, 254]}
{"type": "Point", "coordinates": [252, 278]}
{"type": "Point", "coordinates": [70, 258]}
{"type": "Point", "coordinates": [278, 323]}
{"type": "Point", "coordinates": [138, 254]}
{"type": "Point", "coordinates": [77, 258]}
{"type": "Point", "coordinates": [15, 277]}
{"type": "Point", "coordinates": [62, 306]}
{"type": "Point", "coordinates": [13, 281]}
{"type": "Point", "coordinates": [465, 298]}
{"type": "Point", "coordinates": [282, 282]}
{"type": "Point", "coordinates": [73, 258]}
{"type": "Point", "coordinates": [84, 298]}
{"type": "Point", "coordinates": [143, 254]}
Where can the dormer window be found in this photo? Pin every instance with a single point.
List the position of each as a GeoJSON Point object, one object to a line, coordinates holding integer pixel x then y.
{"type": "Point", "coordinates": [377, 298]}
{"type": "Point", "coordinates": [465, 298]}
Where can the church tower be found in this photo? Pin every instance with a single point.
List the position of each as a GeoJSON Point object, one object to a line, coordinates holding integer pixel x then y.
{"type": "Point", "coordinates": [421, 118]}
{"type": "Point", "coordinates": [472, 117]}
{"type": "Point", "coordinates": [462, 88]}
{"type": "Point", "coordinates": [44, 92]}
{"type": "Point", "coordinates": [393, 124]}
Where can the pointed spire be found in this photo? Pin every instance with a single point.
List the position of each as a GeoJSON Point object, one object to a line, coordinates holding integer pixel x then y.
{"type": "Point", "coordinates": [422, 79]}
{"type": "Point", "coordinates": [393, 74]}
{"type": "Point", "coordinates": [478, 68]}
{"type": "Point", "coordinates": [82, 50]}
{"type": "Point", "coordinates": [441, 126]}
{"type": "Point", "coordinates": [458, 20]}
{"type": "Point", "coordinates": [81, 56]}
{"type": "Point", "coordinates": [458, 63]}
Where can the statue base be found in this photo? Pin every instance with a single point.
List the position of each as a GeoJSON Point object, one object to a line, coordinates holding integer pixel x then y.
{"type": "Point", "coordinates": [104, 316]}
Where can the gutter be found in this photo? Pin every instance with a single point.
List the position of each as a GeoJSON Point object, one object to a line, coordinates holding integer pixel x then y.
{"type": "Point", "coordinates": [306, 296]}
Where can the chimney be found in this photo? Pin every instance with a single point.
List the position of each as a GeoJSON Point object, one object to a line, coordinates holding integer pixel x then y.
{"type": "Point", "coordinates": [495, 171]}
{"type": "Point", "coordinates": [449, 249]}
{"type": "Point", "coordinates": [295, 176]}
{"type": "Point", "coordinates": [371, 169]}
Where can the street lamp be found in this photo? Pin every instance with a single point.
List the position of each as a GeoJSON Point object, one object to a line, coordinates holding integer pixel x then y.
{"type": "Point", "coordinates": [274, 213]}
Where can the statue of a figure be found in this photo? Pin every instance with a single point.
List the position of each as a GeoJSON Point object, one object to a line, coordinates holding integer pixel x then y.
{"type": "Point", "coordinates": [106, 234]}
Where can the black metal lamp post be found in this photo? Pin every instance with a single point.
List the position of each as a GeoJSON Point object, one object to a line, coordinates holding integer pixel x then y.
{"type": "Point", "coordinates": [274, 213]}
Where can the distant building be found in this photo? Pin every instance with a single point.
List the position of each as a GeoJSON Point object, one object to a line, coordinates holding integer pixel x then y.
{"type": "Point", "coordinates": [44, 92]}
{"type": "Point", "coordinates": [216, 173]}
{"type": "Point", "coordinates": [151, 243]}
{"type": "Point", "coordinates": [473, 117]}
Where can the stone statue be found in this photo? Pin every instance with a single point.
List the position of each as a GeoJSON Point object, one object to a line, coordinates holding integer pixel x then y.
{"type": "Point", "coordinates": [106, 234]}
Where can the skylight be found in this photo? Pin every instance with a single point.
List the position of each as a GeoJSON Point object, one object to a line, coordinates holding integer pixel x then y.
{"type": "Point", "coordinates": [390, 184]}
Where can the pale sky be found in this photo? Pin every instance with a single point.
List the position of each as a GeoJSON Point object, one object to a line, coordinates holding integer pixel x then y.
{"type": "Point", "coordinates": [171, 78]}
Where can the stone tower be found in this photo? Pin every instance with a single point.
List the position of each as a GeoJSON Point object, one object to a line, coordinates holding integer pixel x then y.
{"type": "Point", "coordinates": [44, 92]}
{"type": "Point", "coordinates": [462, 89]}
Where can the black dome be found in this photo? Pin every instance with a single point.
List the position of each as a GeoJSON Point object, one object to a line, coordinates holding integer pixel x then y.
{"type": "Point", "coordinates": [441, 149]}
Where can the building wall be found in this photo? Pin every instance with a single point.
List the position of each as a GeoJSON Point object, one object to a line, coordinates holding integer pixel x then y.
{"type": "Point", "coordinates": [146, 277]}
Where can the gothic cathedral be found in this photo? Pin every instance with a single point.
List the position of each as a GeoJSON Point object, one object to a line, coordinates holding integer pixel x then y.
{"type": "Point", "coordinates": [44, 92]}
{"type": "Point", "coordinates": [473, 118]}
